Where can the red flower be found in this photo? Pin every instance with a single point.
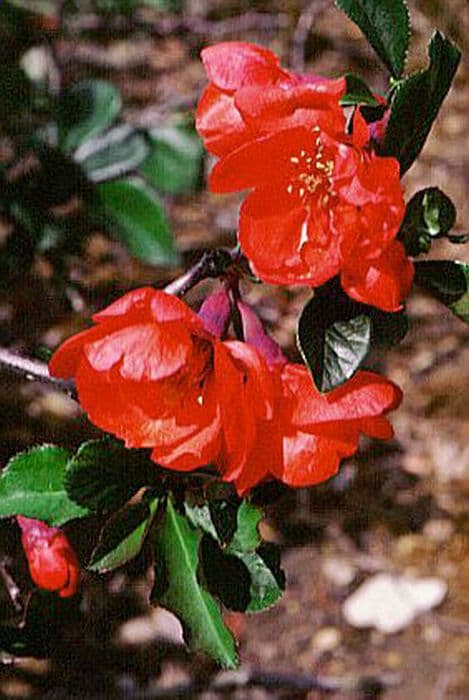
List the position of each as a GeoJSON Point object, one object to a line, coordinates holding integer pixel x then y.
{"type": "Point", "coordinates": [52, 561]}
{"type": "Point", "coordinates": [322, 203]}
{"type": "Point", "coordinates": [310, 433]}
{"type": "Point", "coordinates": [250, 95]}
{"type": "Point", "coordinates": [151, 373]}
{"type": "Point", "coordinates": [156, 374]}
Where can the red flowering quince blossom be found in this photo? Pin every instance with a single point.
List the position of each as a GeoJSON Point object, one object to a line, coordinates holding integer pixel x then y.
{"type": "Point", "coordinates": [156, 374]}
{"type": "Point", "coordinates": [52, 561]}
{"type": "Point", "coordinates": [250, 95]}
{"type": "Point", "coordinates": [322, 202]}
{"type": "Point", "coordinates": [310, 433]}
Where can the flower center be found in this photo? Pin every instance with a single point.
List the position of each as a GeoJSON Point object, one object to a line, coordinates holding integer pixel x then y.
{"type": "Point", "coordinates": [311, 172]}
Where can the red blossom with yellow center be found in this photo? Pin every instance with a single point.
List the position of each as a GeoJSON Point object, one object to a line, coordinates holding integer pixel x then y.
{"type": "Point", "coordinates": [322, 202]}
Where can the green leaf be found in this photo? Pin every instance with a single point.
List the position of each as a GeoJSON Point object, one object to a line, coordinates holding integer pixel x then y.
{"type": "Point", "coordinates": [232, 522]}
{"type": "Point", "coordinates": [246, 537]}
{"type": "Point", "coordinates": [86, 109]}
{"type": "Point", "coordinates": [174, 163]}
{"type": "Point", "coordinates": [32, 484]}
{"type": "Point", "coordinates": [335, 334]}
{"type": "Point", "coordinates": [104, 474]}
{"type": "Point", "coordinates": [385, 23]}
{"type": "Point", "coordinates": [122, 537]}
{"type": "Point", "coordinates": [333, 350]}
{"type": "Point", "coordinates": [429, 214]}
{"type": "Point", "coordinates": [178, 589]}
{"type": "Point", "coordinates": [116, 153]}
{"type": "Point", "coordinates": [448, 281]}
{"type": "Point", "coordinates": [357, 92]}
{"type": "Point", "coordinates": [237, 568]}
{"type": "Point", "coordinates": [137, 215]}
{"type": "Point", "coordinates": [267, 577]}
{"type": "Point", "coordinates": [244, 581]}
{"type": "Point", "coordinates": [416, 101]}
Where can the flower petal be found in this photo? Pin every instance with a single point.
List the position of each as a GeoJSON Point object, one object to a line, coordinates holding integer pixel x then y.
{"type": "Point", "coordinates": [219, 122]}
{"type": "Point", "coordinates": [265, 162]}
{"type": "Point", "coordinates": [364, 396]}
{"type": "Point", "coordinates": [231, 64]}
{"type": "Point", "coordinates": [384, 282]}
{"type": "Point", "coordinates": [166, 350]}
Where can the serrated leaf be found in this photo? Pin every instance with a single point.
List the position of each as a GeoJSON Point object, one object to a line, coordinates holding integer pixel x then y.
{"type": "Point", "coordinates": [448, 281]}
{"type": "Point", "coordinates": [232, 556]}
{"type": "Point", "coordinates": [267, 577]}
{"type": "Point", "coordinates": [178, 589]}
{"type": "Point", "coordinates": [123, 536]}
{"type": "Point", "coordinates": [232, 522]}
{"type": "Point", "coordinates": [416, 101]}
{"type": "Point", "coordinates": [429, 214]}
{"type": "Point", "coordinates": [135, 212]}
{"type": "Point", "coordinates": [103, 475]}
{"type": "Point", "coordinates": [200, 517]}
{"type": "Point", "coordinates": [244, 581]}
{"type": "Point", "coordinates": [327, 328]}
{"type": "Point", "coordinates": [246, 537]}
{"type": "Point", "coordinates": [86, 109]}
{"type": "Point", "coordinates": [357, 92]}
{"type": "Point", "coordinates": [333, 350]}
{"type": "Point", "coordinates": [385, 23]}
{"type": "Point", "coordinates": [32, 484]}
{"type": "Point", "coordinates": [174, 163]}
{"type": "Point", "coordinates": [113, 155]}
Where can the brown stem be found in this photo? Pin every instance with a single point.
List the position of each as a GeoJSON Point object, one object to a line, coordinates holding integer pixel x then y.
{"type": "Point", "coordinates": [212, 264]}
{"type": "Point", "coordinates": [33, 371]}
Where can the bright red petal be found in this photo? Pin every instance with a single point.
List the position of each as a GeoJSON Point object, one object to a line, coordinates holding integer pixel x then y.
{"type": "Point", "coordinates": [364, 396]}
{"type": "Point", "coordinates": [219, 122]}
{"type": "Point", "coordinates": [265, 162]}
{"type": "Point", "coordinates": [231, 64]}
{"type": "Point", "coordinates": [309, 459]}
{"type": "Point", "coordinates": [203, 445]}
{"type": "Point", "coordinates": [144, 352]}
{"type": "Point", "coordinates": [270, 228]}
{"type": "Point", "coordinates": [384, 282]}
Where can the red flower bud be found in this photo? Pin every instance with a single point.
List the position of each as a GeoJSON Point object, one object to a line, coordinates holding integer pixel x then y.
{"type": "Point", "coordinates": [52, 561]}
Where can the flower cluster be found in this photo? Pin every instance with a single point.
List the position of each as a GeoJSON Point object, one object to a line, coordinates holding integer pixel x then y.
{"type": "Point", "coordinates": [52, 561]}
{"type": "Point", "coordinates": [157, 375]}
{"type": "Point", "coordinates": [322, 203]}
